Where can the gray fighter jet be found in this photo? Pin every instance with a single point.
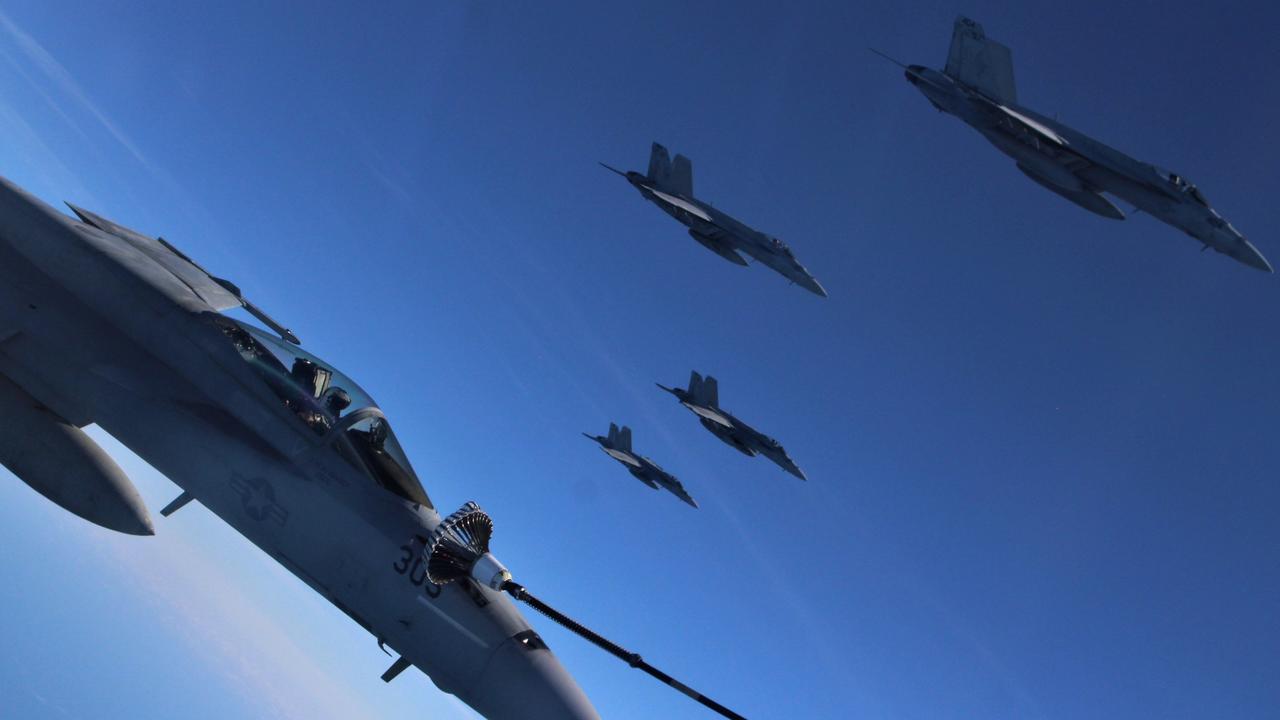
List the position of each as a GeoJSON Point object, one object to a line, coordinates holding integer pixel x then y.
{"type": "Point", "coordinates": [703, 399]}
{"type": "Point", "coordinates": [669, 185]}
{"type": "Point", "coordinates": [977, 86]}
{"type": "Point", "coordinates": [618, 446]}
{"type": "Point", "coordinates": [102, 324]}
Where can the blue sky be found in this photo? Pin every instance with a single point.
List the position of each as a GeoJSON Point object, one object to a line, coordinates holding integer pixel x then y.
{"type": "Point", "coordinates": [1039, 442]}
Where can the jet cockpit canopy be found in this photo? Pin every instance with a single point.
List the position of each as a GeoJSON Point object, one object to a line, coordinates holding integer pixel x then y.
{"type": "Point", "coordinates": [330, 405]}
{"type": "Point", "coordinates": [1180, 184]}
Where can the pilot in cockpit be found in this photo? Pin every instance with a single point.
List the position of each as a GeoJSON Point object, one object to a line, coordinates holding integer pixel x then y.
{"type": "Point", "coordinates": [335, 400]}
{"type": "Point", "coordinates": [319, 404]}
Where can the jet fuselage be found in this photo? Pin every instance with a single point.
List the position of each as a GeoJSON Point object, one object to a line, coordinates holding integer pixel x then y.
{"type": "Point", "coordinates": [736, 433]}
{"type": "Point", "coordinates": [1079, 167]}
{"type": "Point", "coordinates": [643, 469]}
{"type": "Point", "coordinates": [725, 235]}
{"type": "Point", "coordinates": [98, 332]}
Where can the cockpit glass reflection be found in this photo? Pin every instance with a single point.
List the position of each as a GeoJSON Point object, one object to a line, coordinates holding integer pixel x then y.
{"type": "Point", "coordinates": [329, 404]}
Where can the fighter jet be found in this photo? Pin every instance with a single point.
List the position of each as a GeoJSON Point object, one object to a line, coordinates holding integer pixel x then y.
{"type": "Point", "coordinates": [977, 86]}
{"type": "Point", "coordinates": [703, 399]}
{"type": "Point", "coordinates": [669, 185]}
{"type": "Point", "coordinates": [102, 324]}
{"type": "Point", "coordinates": [618, 446]}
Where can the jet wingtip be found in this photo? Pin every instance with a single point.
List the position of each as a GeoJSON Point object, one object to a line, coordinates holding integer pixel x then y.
{"type": "Point", "coordinates": [606, 166]}
{"type": "Point", "coordinates": [886, 57]}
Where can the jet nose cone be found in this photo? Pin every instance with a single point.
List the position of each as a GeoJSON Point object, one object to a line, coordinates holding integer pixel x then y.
{"type": "Point", "coordinates": [812, 285]}
{"type": "Point", "coordinates": [1249, 255]}
{"type": "Point", "coordinates": [524, 681]}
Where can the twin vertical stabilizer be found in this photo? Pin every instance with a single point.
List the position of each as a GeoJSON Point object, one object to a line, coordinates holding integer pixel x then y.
{"type": "Point", "coordinates": [674, 177]}
{"type": "Point", "coordinates": [703, 391]}
{"type": "Point", "coordinates": [982, 64]}
{"type": "Point", "coordinates": [620, 439]}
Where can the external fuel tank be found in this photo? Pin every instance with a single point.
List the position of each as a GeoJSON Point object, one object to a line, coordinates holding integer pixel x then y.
{"type": "Point", "coordinates": [58, 460]}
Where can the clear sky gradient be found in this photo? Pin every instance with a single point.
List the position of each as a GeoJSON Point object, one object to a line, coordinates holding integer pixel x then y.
{"type": "Point", "coordinates": [1040, 443]}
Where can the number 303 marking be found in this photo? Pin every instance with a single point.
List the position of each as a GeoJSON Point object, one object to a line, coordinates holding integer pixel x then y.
{"type": "Point", "coordinates": [412, 565]}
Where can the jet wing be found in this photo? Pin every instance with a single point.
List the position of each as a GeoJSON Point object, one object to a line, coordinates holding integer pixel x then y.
{"type": "Point", "coordinates": [681, 203]}
{"type": "Point", "coordinates": [711, 415]}
{"type": "Point", "coordinates": [218, 293]}
{"type": "Point", "coordinates": [1041, 130]}
{"type": "Point", "coordinates": [622, 457]}
{"type": "Point", "coordinates": [1024, 125]}
{"type": "Point", "coordinates": [1077, 151]}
